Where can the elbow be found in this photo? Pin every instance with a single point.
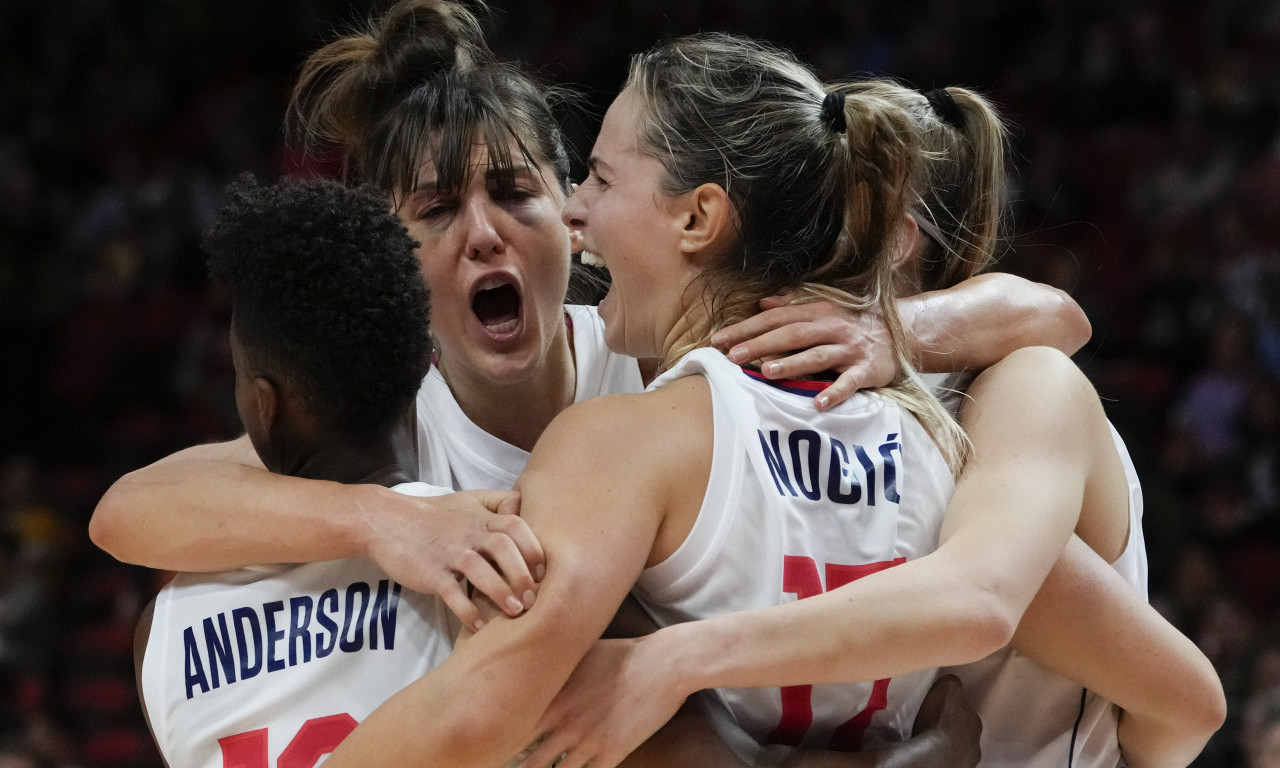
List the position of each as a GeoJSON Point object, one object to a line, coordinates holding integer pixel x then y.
{"type": "Point", "coordinates": [105, 524]}
{"type": "Point", "coordinates": [986, 626]}
{"type": "Point", "coordinates": [1210, 706]}
{"type": "Point", "coordinates": [1072, 323]}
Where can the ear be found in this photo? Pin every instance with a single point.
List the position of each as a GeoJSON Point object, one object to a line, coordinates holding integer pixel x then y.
{"type": "Point", "coordinates": [266, 403]}
{"type": "Point", "coordinates": [910, 247]}
{"type": "Point", "coordinates": [706, 216]}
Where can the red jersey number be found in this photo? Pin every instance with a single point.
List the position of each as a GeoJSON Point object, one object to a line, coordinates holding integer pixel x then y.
{"type": "Point", "coordinates": [316, 738]}
{"type": "Point", "coordinates": [800, 577]}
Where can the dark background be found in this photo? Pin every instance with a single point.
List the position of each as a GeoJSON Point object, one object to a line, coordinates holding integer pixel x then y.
{"type": "Point", "coordinates": [1147, 184]}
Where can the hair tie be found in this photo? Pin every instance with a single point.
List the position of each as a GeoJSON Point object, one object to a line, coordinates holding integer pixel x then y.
{"type": "Point", "coordinates": [945, 107]}
{"type": "Point", "coordinates": [833, 111]}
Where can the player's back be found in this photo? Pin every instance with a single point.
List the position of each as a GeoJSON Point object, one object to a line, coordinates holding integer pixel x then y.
{"type": "Point", "coordinates": [275, 665]}
{"type": "Point", "coordinates": [799, 502]}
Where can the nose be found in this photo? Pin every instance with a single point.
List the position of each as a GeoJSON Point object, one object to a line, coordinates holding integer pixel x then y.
{"type": "Point", "coordinates": [574, 212]}
{"type": "Point", "coordinates": [483, 239]}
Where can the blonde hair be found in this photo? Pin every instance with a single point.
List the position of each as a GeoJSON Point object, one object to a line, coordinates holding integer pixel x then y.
{"type": "Point", "coordinates": [961, 203]}
{"type": "Point", "coordinates": [818, 200]}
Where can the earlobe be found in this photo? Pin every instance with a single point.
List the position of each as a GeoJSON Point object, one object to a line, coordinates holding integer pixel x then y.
{"type": "Point", "coordinates": [911, 245]}
{"type": "Point", "coordinates": [266, 402]}
{"type": "Point", "coordinates": [706, 220]}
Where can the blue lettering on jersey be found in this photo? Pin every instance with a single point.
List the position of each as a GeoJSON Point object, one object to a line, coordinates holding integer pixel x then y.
{"type": "Point", "coordinates": [219, 645]}
{"type": "Point", "coordinates": [242, 618]}
{"type": "Point", "coordinates": [327, 604]}
{"type": "Point", "coordinates": [808, 452]}
{"type": "Point", "coordinates": [349, 644]}
{"type": "Point", "coordinates": [274, 635]}
{"type": "Point", "coordinates": [256, 637]}
{"type": "Point", "coordinates": [192, 663]}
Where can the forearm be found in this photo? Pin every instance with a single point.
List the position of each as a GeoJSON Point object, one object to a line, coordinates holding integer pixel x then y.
{"type": "Point", "coordinates": [1089, 625]}
{"type": "Point", "coordinates": [202, 510]}
{"type": "Point", "coordinates": [976, 323]}
{"type": "Point", "coordinates": [915, 616]}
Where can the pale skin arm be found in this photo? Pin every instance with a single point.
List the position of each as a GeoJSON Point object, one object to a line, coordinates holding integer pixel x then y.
{"type": "Point", "coordinates": [1089, 625]}
{"type": "Point", "coordinates": [485, 700]}
{"type": "Point", "coordinates": [215, 507]}
{"type": "Point", "coordinates": [967, 327]}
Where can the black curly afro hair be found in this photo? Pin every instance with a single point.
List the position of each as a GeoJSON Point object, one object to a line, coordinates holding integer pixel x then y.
{"type": "Point", "coordinates": [326, 293]}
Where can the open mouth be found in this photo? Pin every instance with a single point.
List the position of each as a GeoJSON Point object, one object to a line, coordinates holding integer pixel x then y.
{"type": "Point", "coordinates": [497, 307]}
{"type": "Point", "coordinates": [590, 259]}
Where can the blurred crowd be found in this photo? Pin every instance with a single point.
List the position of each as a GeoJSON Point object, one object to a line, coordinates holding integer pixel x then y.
{"type": "Point", "coordinates": [1147, 184]}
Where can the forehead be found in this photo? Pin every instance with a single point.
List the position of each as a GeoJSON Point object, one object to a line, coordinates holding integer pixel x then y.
{"type": "Point", "coordinates": [620, 132]}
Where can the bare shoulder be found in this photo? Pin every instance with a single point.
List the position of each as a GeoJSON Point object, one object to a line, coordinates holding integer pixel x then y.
{"type": "Point", "coordinates": [636, 418]}
{"type": "Point", "coordinates": [1040, 378]}
{"type": "Point", "coordinates": [632, 439]}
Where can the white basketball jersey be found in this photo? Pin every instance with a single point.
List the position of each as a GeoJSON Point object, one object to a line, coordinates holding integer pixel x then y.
{"type": "Point", "coordinates": [1035, 718]}
{"type": "Point", "coordinates": [272, 667]}
{"type": "Point", "coordinates": [454, 452]}
{"type": "Point", "coordinates": [800, 502]}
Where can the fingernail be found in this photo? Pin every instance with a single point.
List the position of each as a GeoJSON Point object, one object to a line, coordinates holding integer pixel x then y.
{"type": "Point", "coordinates": [514, 605]}
{"type": "Point", "coordinates": [528, 599]}
{"type": "Point", "coordinates": [479, 625]}
{"type": "Point", "coordinates": [773, 369]}
{"type": "Point", "coordinates": [539, 572]}
{"type": "Point", "coordinates": [717, 339]}
{"type": "Point", "coordinates": [738, 354]}
{"type": "Point", "coordinates": [822, 401]}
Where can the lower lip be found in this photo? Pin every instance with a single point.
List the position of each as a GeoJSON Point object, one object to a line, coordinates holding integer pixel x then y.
{"type": "Point", "coordinates": [502, 333]}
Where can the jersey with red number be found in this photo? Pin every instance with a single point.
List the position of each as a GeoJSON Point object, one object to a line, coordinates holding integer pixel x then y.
{"type": "Point", "coordinates": [800, 502]}
{"type": "Point", "coordinates": [454, 451]}
{"type": "Point", "coordinates": [1035, 718]}
{"type": "Point", "coordinates": [272, 667]}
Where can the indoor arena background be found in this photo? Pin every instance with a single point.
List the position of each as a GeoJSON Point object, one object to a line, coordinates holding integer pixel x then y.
{"type": "Point", "coordinates": [1147, 185]}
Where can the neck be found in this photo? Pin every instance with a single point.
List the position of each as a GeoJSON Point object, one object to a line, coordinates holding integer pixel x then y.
{"type": "Point", "coordinates": [517, 412]}
{"type": "Point", "coordinates": [691, 330]}
{"type": "Point", "coordinates": [385, 462]}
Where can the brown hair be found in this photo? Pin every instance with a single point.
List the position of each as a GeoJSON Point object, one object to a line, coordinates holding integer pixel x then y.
{"type": "Point", "coordinates": [418, 83]}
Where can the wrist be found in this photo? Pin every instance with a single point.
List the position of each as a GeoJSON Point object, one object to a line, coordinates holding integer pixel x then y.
{"type": "Point", "coordinates": [355, 518]}
{"type": "Point", "coordinates": [676, 655]}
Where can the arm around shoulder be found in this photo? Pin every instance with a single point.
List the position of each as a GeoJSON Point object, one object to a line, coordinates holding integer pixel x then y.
{"type": "Point", "coordinates": [977, 322]}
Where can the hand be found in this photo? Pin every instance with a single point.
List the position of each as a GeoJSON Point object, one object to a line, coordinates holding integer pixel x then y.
{"type": "Point", "coordinates": [614, 700]}
{"type": "Point", "coordinates": [431, 544]}
{"type": "Point", "coordinates": [827, 337]}
{"type": "Point", "coordinates": [948, 720]}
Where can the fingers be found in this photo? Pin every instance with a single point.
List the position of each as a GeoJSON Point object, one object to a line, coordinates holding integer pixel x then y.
{"type": "Point", "coordinates": [766, 321]}
{"type": "Point", "coordinates": [519, 532]}
{"type": "Point", "coordinates": [865, 375]}
{"type": "Point", "coordinates": [549, 752]}
{"type": "Point", "coordinates": [455, 597]}
{"type": "Point", "coordinates": [499, 502]}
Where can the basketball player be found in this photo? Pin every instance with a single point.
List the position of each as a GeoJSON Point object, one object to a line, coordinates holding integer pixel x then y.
{"type": "Point", "coordinates": [1105, 638]}
{"type": "Point", "coordinates": [274, 665]}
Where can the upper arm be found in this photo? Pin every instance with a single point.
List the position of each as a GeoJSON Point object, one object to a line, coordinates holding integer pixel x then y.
{"type": "Point", "coordinates": [1019, 497]}
{"type": "Point", "coordinates": [596, 491]}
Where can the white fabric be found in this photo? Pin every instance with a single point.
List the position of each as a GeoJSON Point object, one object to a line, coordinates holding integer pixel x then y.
{"type": "Point", "coordinates": [1035, 718]}
{"type": "Point", "coordinates": [454, 452]}
{"type": "Point", "coordinates": [309, 650]}
{"type": "Point", "coordinates": [860, 485]}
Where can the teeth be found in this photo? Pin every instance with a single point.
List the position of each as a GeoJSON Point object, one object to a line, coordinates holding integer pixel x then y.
{"type": "Point", "coordinates": [490, 283]}
{"type": "Point", "coordinates": [591, 260]}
